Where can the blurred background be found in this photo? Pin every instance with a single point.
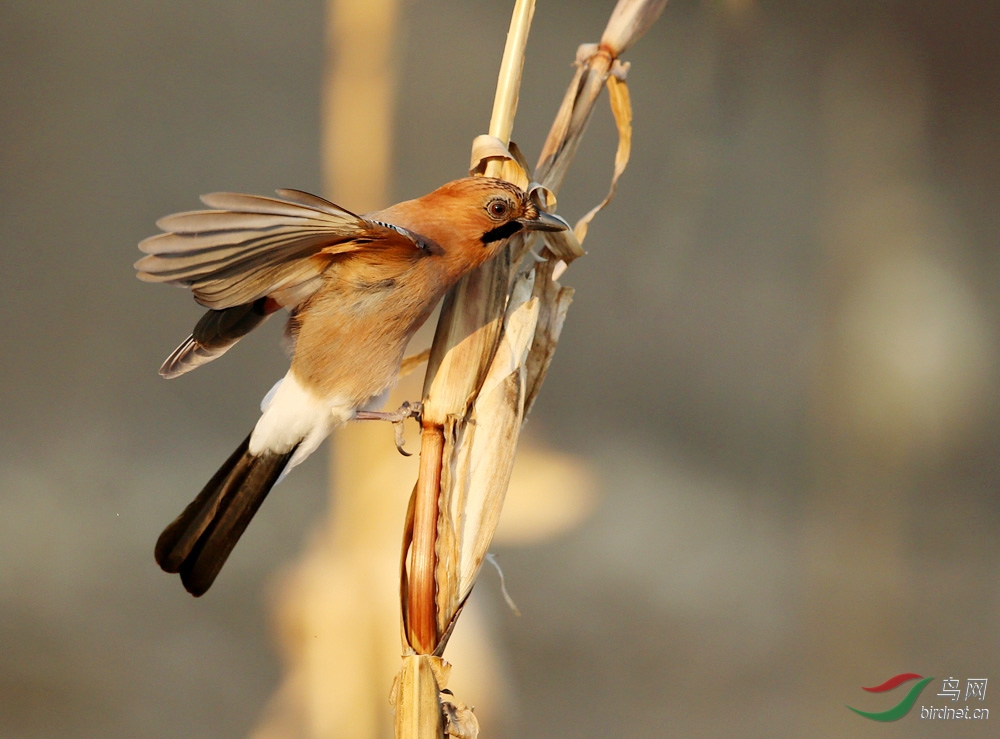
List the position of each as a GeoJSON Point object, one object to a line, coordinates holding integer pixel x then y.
{"type": "Point", "coordinates": [774, 399]}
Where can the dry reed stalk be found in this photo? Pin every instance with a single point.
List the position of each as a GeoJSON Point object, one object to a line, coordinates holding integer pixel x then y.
{"type": "Point", "coordinates": [494, 342]}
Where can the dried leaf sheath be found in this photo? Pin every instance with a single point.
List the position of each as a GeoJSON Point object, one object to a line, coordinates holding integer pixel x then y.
{"type": "Point", "coordinates": [471, 321]}
{"type": "Point", "coordinates": [490, 355]}
{"type": "Point", "coordinates": [482, 457]}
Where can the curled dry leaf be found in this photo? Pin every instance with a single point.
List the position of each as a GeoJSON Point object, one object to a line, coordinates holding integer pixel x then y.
{"type": "Point", "coordinates": [564, 245]}
{"type": "Point", "coordinates": [491, 352]}
{"type": "Point", "coordinates": [487, 149]}
{"type": "Point", "coordinates": [473, 487]}
{"type": "Point", "coordinates": [621, 107]}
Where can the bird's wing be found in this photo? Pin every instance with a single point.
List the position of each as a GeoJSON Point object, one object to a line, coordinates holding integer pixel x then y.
{"type": "Point", "coordinates": [251, 255]}
{"type": "Point", "coordinates": [249, 247]}
{"type": "Point", "coordinates": [215, 334]}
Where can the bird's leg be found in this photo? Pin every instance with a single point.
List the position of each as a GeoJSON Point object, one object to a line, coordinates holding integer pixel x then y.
{"type": "Point", "coordinates": [396, 418]}
{"type": "Point", "coordinates": [406, 410]}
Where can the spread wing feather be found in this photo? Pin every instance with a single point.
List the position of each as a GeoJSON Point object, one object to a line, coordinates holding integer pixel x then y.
{"type": "Point", "coordinates": [249, 246]}
{"type": "Point", "coordinates": [307, 199]}
{"type": "Point", "coordinates": [178, 266]}
{"type": "Point", "coordinates": [250, 255]}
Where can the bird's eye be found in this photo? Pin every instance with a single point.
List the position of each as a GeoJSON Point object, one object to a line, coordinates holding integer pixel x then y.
{"type": "Point", "coordinates": [499, 208]}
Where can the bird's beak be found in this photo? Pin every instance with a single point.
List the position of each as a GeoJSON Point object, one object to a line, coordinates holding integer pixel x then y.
{"type": "Point", "coordinates": [544, 222]}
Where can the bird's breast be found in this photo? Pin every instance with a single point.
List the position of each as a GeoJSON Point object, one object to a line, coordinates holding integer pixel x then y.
{"type": "Point", "coordinates": [351, 335]}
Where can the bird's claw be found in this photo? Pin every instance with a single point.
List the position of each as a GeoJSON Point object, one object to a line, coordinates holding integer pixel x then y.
{"type": "Point", "coordinates": [396, 418]}
{"type": "Point", "coordinates": [397, 426]}
{"type": "Point", "coordinates": [406, 410]}
{"type": "Point", "coordinates": [536, 257]}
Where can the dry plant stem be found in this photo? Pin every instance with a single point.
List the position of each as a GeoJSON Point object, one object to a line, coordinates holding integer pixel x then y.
{"type": "Point", "coordinates": [453, 378]}
{"type": "Point", "coordinates": [415, 697]}
{"type": "Point", "coordinates": [493, 345]}
{"type": "Point", "coordinates": [629, 21]}
{"type": "Point", "coordinates": [469, 438]}
{"type": "Point", "coordinates": [593, 68]}
{"type": "Point", "coordinates": [422, 621]}
{"type": "Point", "coordinates": [509, 79]}
{"type": "Point", "coordinates": [573, 117]}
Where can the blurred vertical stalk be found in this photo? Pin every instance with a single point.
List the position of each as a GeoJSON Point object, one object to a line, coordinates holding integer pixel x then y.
{"type": "Point", "coordinates": [361, 38]}
{"type": "Point", "coordinates": [357, 139]}
{"type": "Point", "coordinates": [335, 616]}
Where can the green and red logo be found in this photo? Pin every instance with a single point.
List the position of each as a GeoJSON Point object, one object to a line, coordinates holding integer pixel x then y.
{"type": "Point", "coordinates": [901, 708]}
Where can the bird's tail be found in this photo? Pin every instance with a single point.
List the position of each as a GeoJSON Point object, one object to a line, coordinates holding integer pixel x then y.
{"type": "Point", "coordinates": [199, 541]}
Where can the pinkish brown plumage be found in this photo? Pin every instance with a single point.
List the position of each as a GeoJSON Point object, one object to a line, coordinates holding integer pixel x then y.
{"type": "Point", "coordinates": [357, 288]}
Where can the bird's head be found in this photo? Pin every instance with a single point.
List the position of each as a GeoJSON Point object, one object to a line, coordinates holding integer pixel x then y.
{"type": "Point", "coordinates": [505, 209]}
{"type": "Point", "coordinates": [476, 215]}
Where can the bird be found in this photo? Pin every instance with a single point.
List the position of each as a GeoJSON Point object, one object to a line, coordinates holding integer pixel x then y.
{"type": "Point", "coordinates": [356, 289]}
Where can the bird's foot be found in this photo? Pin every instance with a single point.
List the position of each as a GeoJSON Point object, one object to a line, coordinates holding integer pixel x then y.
{"type": "Point", "coordinates": [396, 418]}
{"type": "Point", "coordinates": [536, 257]}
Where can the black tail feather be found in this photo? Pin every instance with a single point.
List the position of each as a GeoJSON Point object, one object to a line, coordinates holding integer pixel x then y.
{"type": "Point", "coordinates": [198, 542]}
